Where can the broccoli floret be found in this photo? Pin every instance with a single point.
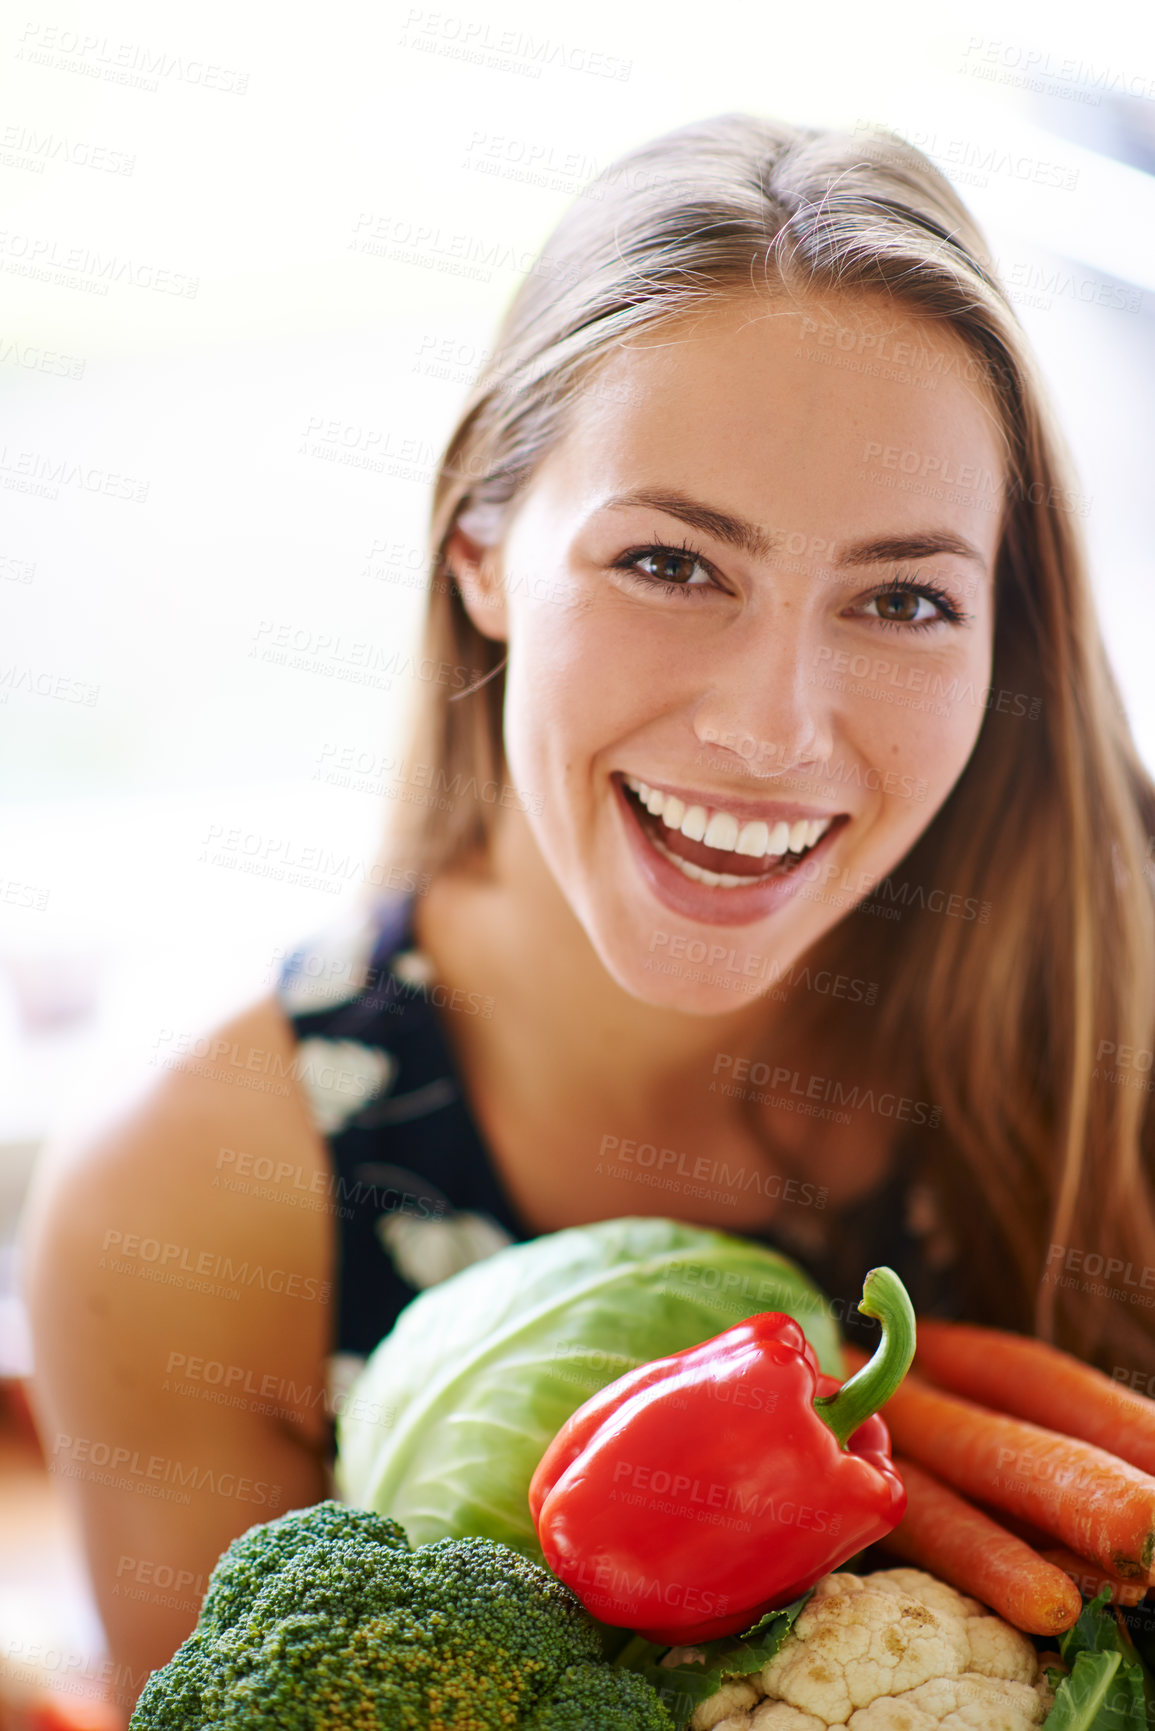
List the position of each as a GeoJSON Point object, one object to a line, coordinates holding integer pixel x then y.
{"type": "Point", "coordinates": [326, 1619]}
{"type": "Point", "coordinates": [588, 1696]}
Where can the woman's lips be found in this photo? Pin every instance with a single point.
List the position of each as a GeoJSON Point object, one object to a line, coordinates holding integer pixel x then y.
{"type": "Point", "coordinates": [711, 904]}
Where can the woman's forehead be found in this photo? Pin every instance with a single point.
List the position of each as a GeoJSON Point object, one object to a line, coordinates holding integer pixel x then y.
{"type": "Point", "coordinates": [783, 361]}
{"type": "Point", "coordinates": [785, 407]}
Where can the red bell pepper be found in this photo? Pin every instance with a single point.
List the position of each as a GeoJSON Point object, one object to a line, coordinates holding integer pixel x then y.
{"type": "Point", "coordinates": [698, 1492]}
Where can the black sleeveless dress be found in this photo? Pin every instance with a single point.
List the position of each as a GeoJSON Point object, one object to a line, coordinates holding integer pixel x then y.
{"type": "Point", "coordinates": [413, 1193]}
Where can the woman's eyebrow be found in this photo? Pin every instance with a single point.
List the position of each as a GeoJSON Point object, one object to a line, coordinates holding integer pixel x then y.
{"type": "Point", "coordinates": [760, 543]}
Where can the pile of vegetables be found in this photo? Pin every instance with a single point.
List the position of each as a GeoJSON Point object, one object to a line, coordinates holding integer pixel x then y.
{"type": "Point", "coordinates": [620, 1481]}
{"type": "Point", "coordinates": [479, 1373]}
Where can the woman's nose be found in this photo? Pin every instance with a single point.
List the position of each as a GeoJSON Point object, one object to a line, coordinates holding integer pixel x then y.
{"type": "Point", "coordinates": [763, 704]}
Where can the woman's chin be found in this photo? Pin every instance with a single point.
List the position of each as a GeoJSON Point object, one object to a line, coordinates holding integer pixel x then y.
{"type": "Point", "coordinates": [670, 970]}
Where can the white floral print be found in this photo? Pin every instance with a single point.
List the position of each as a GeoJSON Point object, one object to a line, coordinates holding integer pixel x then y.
{"type": "Point", "coordinates": [341, 1077]}
{"type": "Point", "coordinates": [426, 1251]}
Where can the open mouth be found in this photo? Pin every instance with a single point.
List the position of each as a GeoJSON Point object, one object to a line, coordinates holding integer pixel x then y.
{"type": "Point", "coordinates": [735, 855]}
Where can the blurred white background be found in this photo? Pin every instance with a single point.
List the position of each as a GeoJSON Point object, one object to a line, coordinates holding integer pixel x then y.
{"type": "Point", "coordinates": [249, 261]}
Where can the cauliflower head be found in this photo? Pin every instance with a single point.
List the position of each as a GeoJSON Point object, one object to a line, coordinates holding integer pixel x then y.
{"type": "Point", "coordinates": [893, 1651]}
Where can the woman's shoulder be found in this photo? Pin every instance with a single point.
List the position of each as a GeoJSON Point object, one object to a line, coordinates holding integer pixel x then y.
{"type": "Point", "coordinates": [149, 1234]}
{"type": "Point", "coordinates": [233, 1086]}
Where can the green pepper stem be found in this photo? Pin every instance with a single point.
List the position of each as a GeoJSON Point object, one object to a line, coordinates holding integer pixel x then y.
{"type": "Point", "coordinates": [885, 1298]}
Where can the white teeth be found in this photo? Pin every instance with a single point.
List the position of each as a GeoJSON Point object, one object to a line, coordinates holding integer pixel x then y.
{"type": "Point", "coordinates": [693, 824]}
{"type": "Point", "coordinates": [752, 839]}
{"type": "Point", "coordinates": [721, 829]}
{"type": "Point", "coordinates": [716, 880]}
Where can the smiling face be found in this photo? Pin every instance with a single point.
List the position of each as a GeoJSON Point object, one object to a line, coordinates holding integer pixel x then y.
{"type": "Point", "coordinates": [749, 604]}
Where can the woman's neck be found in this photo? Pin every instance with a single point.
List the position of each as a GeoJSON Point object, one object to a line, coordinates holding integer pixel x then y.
{"type": "Point", "coordinates": [504, 930]}
{"type": "Point", "coordinates": [568, 1058]}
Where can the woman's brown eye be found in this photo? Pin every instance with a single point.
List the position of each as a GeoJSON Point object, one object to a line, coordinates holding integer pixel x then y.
{"type": "Point", "coordinates": [665, 564]}
{"type": "Point", "coordinates": [898, 604]}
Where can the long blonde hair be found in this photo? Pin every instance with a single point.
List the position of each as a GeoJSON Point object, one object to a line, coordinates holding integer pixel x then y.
{"type": "Point", "coordinates": [1012, 1024]}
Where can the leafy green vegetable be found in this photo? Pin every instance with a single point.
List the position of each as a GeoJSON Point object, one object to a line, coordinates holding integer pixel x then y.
{"type": "Point", "coordinates": [707, 1664]}
{"type": "Point", "coordinates": [1082, 1699]}
{"type": "Point", "coordinates": [480, 1372]}
{"type": "Point", "coordinates": [1108, 1688]}
{"type": "Point", "coordinates": [1140, 1621]}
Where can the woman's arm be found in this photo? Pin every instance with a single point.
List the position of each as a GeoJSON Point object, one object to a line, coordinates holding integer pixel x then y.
{"type": "Point", "coordinates": [180, 1329]}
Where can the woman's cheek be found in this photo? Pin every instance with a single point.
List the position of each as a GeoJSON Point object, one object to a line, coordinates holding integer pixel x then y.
{"type": "Point", "coordinates": [917, 725]}
{"type": "Point", "coordinates": [559, 689]}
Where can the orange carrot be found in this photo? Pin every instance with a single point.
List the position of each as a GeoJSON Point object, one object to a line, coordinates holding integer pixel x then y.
{"type": "Point", "coordinates": [1101, 1507]}
{"type": "Point", "coordinates": [1036, 1381]}
{"type": "Point", "coordinates": [1091, 1580]}
{"type": "Point", "coordinates": [942, 1533]}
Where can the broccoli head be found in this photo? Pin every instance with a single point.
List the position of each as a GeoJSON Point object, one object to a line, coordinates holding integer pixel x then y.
{"type": "Point", "coordinates": [326, 1618]}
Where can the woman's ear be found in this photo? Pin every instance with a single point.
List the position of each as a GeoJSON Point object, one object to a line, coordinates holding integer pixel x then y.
{"type": "Point", "coordinates": [476, 569]}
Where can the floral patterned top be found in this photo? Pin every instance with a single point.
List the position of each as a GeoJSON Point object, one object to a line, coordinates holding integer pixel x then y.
{"type": "Point", "coordinates": [413, 1192]}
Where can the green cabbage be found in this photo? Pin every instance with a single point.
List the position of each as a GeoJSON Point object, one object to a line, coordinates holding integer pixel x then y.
{"type": "Point", "coordinates": [481, 1371]}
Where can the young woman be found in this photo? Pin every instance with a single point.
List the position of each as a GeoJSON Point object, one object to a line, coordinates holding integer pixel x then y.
{"type": "Point", "coordinates": [777, 859]}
